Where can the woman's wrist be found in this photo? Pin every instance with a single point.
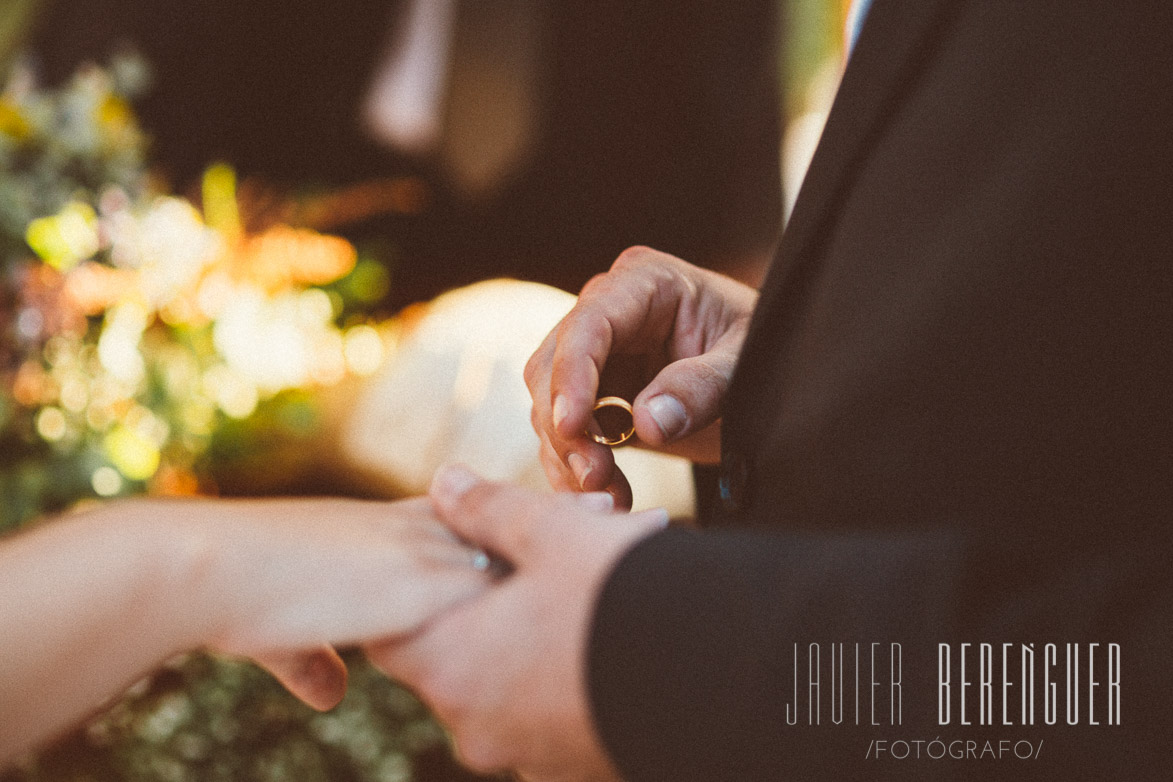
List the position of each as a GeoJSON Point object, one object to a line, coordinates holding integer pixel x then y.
{"type": "Point", "coordinates": [178, 554]}
{"type": "Point", "coordinates": [97, 600]}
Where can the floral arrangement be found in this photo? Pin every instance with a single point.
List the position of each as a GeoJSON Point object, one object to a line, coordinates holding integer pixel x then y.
{"type": "Point", "coordinates": [136, 324]}
{"type": "Point", "coordinates": [142, 336]}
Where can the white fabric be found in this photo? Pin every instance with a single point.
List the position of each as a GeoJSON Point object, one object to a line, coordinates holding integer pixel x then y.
{"type": "Point", "coordinates": [453, 391]}
{"type": "Point", "coordinates": [405, 105]}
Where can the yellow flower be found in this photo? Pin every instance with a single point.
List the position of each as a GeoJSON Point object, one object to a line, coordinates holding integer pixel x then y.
{"type": "Point", "coordinates": [135, 455]}
{"type": "Point", "coordinates": [12, 122]}
{"type": "Point", "coordinates": [65, 239]}
{"type": "Point", "coordinates": [116, 120]}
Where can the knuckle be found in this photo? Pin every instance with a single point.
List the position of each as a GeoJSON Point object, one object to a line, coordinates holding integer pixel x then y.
{"type": "Point", "coordinates": [537, 367]}
{"type": "Point", "coordinates": [593, 284]}
{"type": "Point", "coordinates": [714, 381]}
{"type": "Point", "coordinates": [632, 257]}
{"type": "Point", "coordinates": [594, 287]}
{"type": "Point", "coordinates": [476, 500]}
{"type": "Point", "coordinates": [582, 326]}
{"type": "Point", "coordinates": [596, 330]}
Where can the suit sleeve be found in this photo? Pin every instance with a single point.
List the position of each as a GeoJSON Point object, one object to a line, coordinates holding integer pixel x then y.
{"type": "Point", "coordinates": [699, 659]}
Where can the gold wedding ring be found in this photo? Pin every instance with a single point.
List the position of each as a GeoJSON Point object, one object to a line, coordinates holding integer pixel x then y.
{"type": "Point", "coordinates": [617, 424]}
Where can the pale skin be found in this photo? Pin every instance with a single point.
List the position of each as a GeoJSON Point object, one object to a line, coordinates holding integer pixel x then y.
{"type": "Point", "coordinates": [91, 603]}
{"type": "Point", "coordinates": [505, 671]}
{"type": "Point", "coordinates": [654, 324]}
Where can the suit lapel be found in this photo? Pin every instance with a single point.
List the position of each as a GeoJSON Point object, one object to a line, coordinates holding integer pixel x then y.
{"type": "Point", "coordinates": [899, 37]}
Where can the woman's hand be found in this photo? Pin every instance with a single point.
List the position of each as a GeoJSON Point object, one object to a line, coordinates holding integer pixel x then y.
{"type": "Point", "coordinates": [286, 574]}
{"type": "Point", "coordinates": [287, 579]}
{"type": "Point", "coordinates": [653, 327]}
{"type": "Point", "coordinates": [91, 603]}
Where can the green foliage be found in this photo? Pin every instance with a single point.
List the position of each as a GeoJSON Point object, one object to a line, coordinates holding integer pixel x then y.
{"type": "Point", "coordinates": [204, 718]}
{"type": "Point", "coordinates": [813, 32]}
{"type": "Point", "coordinates": [15, 17]}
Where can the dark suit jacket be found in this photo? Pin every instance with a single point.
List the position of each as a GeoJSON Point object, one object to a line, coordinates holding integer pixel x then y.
{"type": "Point", "coordinates": [951, 421]}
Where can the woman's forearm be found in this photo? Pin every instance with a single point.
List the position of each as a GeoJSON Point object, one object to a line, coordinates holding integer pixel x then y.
{"type": "Point", "coordinates": [88, 605]}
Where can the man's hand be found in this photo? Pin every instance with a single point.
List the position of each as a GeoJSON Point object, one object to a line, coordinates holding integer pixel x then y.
{"type": "Point", "coordinates": [505, 671]}
{"type": "Point", "coordinates": [656, 328]}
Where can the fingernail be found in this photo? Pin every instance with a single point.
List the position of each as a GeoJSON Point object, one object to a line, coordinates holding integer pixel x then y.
{"type": "Point", "coordinates": [453, 480]}
{"type": "Point", "coordinates": [580, 467]}
{"type": "Point", "coordinates": [669, 414]}
{"type": "Point", "coordinates": [561, 410]}
{"type": "Point", "coordinates": [658, 516]}
{"type": "Point", "coordinates": [599, 501]}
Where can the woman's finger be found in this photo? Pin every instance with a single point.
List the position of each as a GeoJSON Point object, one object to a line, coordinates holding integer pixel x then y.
{"type": "Point", "coordinates": [315, 676]}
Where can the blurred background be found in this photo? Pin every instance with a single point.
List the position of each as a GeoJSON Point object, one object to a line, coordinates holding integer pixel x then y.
{"type": "Point", "coordinates": [230, 230]}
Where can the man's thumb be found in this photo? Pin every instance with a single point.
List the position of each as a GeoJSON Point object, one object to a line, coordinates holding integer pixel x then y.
{"type": "Point", "coordinates": [684, 398]}
{"type": "Point", "coordinates": [487, 515]}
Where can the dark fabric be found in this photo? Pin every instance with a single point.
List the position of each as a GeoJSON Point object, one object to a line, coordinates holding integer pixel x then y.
{"type": "Point", "coordinates": [951, 421]}
{"type": "Point", "coordinates": [658, 125]}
